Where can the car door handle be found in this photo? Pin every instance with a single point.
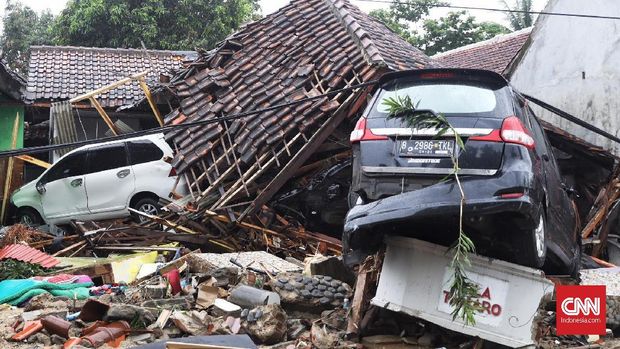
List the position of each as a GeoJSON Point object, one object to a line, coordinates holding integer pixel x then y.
{"type": "Point", "coordinates": [545, 157]}
{"type": "Point", "coordinates": [123, 173]}
{"type": "Point", "coordinates": [77, 182]}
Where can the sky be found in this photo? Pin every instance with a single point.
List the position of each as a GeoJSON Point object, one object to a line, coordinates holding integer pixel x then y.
{"type": "Point", "coordinates": [269, 6]}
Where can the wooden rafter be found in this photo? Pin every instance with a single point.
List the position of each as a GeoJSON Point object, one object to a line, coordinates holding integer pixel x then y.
{"type": "Point", "coordinates": [104, 115]}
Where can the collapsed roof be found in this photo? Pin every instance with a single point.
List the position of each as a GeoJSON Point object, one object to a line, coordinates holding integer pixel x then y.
{"type": "Point", "coordinates": [57, 73]}
{"type": "Point", "coordinates": [304, 50]}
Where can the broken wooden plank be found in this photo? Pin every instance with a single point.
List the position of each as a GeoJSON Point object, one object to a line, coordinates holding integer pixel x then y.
{"type": "Point", "coordinates": [9, 170]}
{"type": "Point", "coordinates": [137, 248]}
{"type": "Point", "coordinates": [101, 90]}
{"type": "Point", "coordinates": [603, 263]}
{"type": "Point", "coordinates": [104, 116]}
{"type": "Point", "coordinates": [360, 298]}
{"type": "Point", "coordinates": [69, 248]}
{"type": "Point", "coordinates": [149, 98]}
{"type": "Point", "coordinates": [34, 161]}
{"type": "Point", "coordinates": [300, 157]}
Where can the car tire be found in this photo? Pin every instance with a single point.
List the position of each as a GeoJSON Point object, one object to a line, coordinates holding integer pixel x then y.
{"type": "Point", "coordinates": [29, 217]}
{"type": "Point", "coordinates": [146, 205]}
{"type": "Point", "coordinates": [532, 245]}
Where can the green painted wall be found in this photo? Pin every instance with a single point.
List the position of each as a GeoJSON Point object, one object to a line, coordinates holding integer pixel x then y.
{"type": "Point", "coordinates": [7, 119]}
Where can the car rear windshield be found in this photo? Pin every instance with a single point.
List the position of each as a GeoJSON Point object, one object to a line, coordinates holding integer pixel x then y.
{"type": "Point", "coordinates": [450, 98]}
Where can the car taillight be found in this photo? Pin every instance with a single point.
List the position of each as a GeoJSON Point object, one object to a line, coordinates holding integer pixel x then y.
{"type": "Point", "coordinates": [173, 173]}
{"type": "Point", "coordinates": [511, 195]}
{"type": "Point", "coordinates": [512, 131]}
{"type": "Point", "coordinates": [361, 133]}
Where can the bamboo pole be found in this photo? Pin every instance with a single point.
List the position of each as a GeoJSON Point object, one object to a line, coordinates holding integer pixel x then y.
{"type": "Point", "coordinates": [104, 115]}
{"type": "Point", "coordinates": [149, 98]}
{"type": "Point", "coordinates": [93, 93]}
{"type": "Point", "coordinates": [34, 161]}
{"type": "Point", "coordinates": [9, 169]}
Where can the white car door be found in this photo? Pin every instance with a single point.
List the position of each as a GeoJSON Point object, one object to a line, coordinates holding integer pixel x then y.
{"type": "Point", "coordinates": [64, 192]}
{"type": "Point", "coordinates": [152, 173]}
{"type": "Point", "coordinates": [110, 181]}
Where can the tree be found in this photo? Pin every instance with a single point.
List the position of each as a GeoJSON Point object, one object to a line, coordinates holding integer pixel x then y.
{"type": "Point", "coordinates": [455, 30]}
{"type": "Point", "coordinates": [386, 17]}
{"type": "Point", "coordinates": [522, 19]}
{"type": "Point", "coordinates": [22, 28]}
{"type": "Point", "coordinates": [159, 24]}
{"type": "Point", "coordinates": [402, 14]}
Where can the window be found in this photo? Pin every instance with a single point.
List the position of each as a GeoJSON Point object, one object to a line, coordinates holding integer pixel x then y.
{"type": "Point", "coordinates": [70, 166]}
{"type": "Point", "coordinates": [144, 151]}
{"type": "Point", "coordinates": [445, 98]}
{"type": "Point", "coordinates": [107, 157]}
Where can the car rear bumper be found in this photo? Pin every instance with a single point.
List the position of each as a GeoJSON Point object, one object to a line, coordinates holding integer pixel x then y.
{"type": "Point", "coordinates": [366, 223]}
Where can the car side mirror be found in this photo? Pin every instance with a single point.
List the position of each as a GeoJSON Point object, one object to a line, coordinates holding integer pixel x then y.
{"type": "Point", "coordinates": [41, 188]}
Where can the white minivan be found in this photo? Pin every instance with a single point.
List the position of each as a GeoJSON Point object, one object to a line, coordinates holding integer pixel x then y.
{"type": "Point", "coordinates": [100, 181]}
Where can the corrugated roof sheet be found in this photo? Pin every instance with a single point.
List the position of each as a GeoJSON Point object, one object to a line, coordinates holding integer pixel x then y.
{"type": "Point", "coordinates": [58, 73]}
{"type": "Point", "coordinates": [28, 254]}
{"type": "Point", "coordinates": [494, 54]}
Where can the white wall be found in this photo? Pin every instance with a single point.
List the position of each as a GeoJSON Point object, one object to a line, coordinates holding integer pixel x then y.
{"type": "Point", "coordinates": [562, 50]}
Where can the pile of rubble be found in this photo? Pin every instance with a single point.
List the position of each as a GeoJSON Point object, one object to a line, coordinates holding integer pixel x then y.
{"type": "Point", "coordinates": [245, 298]}
{"type": "Point", "coordinates": [152, 295]}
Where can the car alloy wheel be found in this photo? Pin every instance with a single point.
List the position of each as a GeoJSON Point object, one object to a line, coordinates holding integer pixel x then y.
{"type": "Point", "coordinates": [27, 220]}
{"type": "Point", "coordinates": [539, 237]}
{"type": "Point", "coordinates": [148, 209]}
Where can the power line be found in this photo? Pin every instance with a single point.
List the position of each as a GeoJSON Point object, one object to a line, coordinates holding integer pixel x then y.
{"type": "Point", "coordinates": [47, 148]}
{"type": "Point", "coordinates": [496, 9]}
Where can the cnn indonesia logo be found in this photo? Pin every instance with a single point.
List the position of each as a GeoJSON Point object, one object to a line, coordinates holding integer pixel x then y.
{"type": "Point", "coordinates": [580, 310]}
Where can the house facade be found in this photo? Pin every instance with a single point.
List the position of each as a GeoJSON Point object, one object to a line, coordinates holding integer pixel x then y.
{"type": "Point", "coordinates": [573, 63]}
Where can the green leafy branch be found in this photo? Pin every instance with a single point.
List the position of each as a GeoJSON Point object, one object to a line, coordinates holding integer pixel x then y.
{"type": "Point", "coordinates": [463, 292]}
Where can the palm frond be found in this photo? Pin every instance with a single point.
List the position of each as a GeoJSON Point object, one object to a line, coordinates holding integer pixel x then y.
{"type": "Point", "coordinates": [464, 293]}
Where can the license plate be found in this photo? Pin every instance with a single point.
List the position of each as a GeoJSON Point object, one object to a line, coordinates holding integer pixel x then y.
{"type": "Point", "coordinates": [432, 147]}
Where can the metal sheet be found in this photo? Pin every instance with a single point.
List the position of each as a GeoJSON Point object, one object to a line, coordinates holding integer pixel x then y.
{"type": "Point", "coordinates": [28, 254]}
{"type": "Point", "coordinates": [415, 275]}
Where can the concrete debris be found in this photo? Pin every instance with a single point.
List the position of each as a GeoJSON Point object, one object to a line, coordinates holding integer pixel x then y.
{"type": "Point", "coordinates": [332, 266]}
{"type": "Point", "coordinates": [249, 297]}
{"type": "Point", "coordinates": [253, 259]}
{"type": "Point", "coordinates": [313, 293]}
{"type": "Point", "coordinates": [602, 276]}
{"type": "Point", "coordinates": [268, 328]}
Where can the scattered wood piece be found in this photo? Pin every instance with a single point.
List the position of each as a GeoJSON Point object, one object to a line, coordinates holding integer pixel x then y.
{"type": "Point", "coordinates": [603, 263]}
{"type": "Point", "coordinates": [69, 248]}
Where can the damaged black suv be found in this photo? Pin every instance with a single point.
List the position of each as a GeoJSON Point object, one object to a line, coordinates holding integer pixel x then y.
{"type": "Point", "coordinates": [516, 205]}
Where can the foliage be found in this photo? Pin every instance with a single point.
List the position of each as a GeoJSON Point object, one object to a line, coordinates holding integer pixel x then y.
{"type": "Point", "coordinates": [23, 27]}
{"type": "Point", "coordinates": [523, 19]}
{"type": "Point", "coordinates": [463, 292]}
{"type": "Point", "coordinates": [159, 24]}
{"type": "Point", "coordinates": [412, 10]}
{"type": "Point", "coordinates": [438, 35]}
{"type": "Point", "coordinates": [386, 17]}
{"type": "Point", "coordinates": [455, 30]}
{"type": "Point", "coordinates": [13, 269]}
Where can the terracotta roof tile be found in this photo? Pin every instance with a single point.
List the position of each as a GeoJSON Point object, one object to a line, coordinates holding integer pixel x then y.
{"type": "Point", "coordinates": [61, 72]}
{"type": "Point", "coordinates": [307, 46]}
{"type": "Point", "coordinates": [494, 54]}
